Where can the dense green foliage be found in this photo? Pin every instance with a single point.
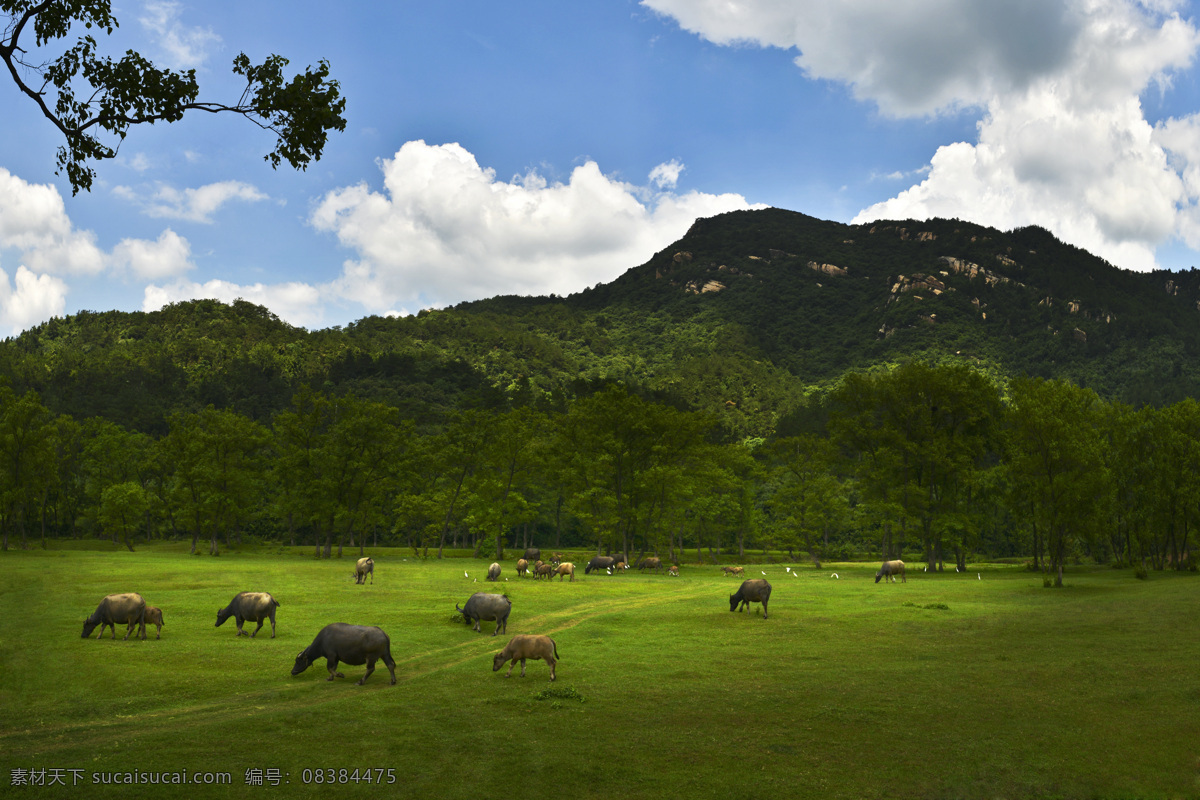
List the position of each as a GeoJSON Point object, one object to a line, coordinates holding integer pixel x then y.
{"type": "Point", "coordinates": [94, 101]}
{"type": "Point", "coordinates": [770, 381]}
{"type": "Point", "coordinates": [948, 686]}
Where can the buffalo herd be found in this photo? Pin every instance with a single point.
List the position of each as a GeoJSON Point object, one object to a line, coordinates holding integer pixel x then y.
{"type": "Point", "coordinates": [362, 644]}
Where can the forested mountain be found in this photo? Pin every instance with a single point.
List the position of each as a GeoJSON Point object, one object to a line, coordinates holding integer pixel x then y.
{"type": "Point", "coordinates": [769, 381]}
{"type": "Point", "coordinates": [745, 315]}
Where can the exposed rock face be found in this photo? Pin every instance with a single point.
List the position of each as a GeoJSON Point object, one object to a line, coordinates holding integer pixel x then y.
{"type": "Point", "coordinates": [973, 271]}
{"type": "Point", "coordinates": [1080, 336]}
{"type": "Point", "coordinates": [926, 236]}
{"type": "Point", "coordinates": [700, 287]}
{"type": "Point", "coordinates": [682, 258]}
{"type": "Point", "coordinates": [918, 282]}
{"type": "Point", "coordinates": [828, 269]}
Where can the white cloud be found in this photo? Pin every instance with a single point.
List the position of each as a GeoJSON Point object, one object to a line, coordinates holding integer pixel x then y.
{"type": "Point", "coordinates": [445, 230]}
{"type": "Point", "coordinates": [184, 47]}
{"type": "Point", "coordinates": [192, 205]}
{"type": "Point", "coordinates": [168, 257]}
{"type": "Point", "coordinates": [297, 303]}
{"type": "Point", "coordinates": [666, 176]}
{"type": "Point", "coordinates": [32, 300]}
{"type": "Point", "coordinates": [34, 221]}
{"type": "Point", "coordinates": [1063, 141]}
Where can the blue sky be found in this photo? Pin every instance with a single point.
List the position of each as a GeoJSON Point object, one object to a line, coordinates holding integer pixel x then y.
{"type": "Point", "coordinates": [542, 147]}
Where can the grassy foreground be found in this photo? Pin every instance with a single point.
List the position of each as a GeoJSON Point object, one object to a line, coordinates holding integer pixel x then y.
{"type": "Point", "coordinates": [983, 685]}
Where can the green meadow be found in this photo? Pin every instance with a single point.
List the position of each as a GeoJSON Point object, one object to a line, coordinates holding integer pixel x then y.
{"type": "Point", "coordinates": [978, 685]}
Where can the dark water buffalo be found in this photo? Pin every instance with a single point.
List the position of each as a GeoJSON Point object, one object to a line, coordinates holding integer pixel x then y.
{"type": "Point", "coordinates": [543, 571]}
{"type": "Point", "coordinates": [522, 567]}
{"type": "Point", "coordinates": [364, 567]}
{"type": "Point", "coordinates": [353, 644]}
{"type": "Point", "coordinates": [532, 554]}
{"type": "Point", "coordinates": [129, 609]}
{"type": "Point", "coordinates": [481, 606]}
{"type": "Point", "coordinates": [154, 617]}
{"type": "Point", "coordinates": [523, 646]}
{"type": "Point", "coordinates": [493, 571]}
{"type": "Point", "coordinates": [652, 562]}
{"type": "Point", "coordinates": [598, 562]}
{"type": "Point", "coordinates": [253, 606]}
{"type": "Point", "coordinates": [756, 590]}
{"type": "Point", "coordinates": [890, 570]}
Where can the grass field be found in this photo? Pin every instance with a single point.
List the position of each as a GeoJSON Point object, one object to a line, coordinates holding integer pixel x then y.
{"type": "Point", "coordinates": [983, 685]}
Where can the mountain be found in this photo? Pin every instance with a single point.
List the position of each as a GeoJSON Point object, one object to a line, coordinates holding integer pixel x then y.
{"type": "Point", "coordinates": [747, 315]}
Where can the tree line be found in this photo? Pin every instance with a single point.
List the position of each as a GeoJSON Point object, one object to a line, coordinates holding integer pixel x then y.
{"type": "Point", "coordinates": [940, 462]}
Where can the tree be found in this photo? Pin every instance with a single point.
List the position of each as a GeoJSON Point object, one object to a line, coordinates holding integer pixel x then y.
{"type": "Point", "coordinates": [114, 96]}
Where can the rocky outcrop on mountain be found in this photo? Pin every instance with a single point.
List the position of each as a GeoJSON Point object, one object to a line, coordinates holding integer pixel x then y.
{"type": "Point", "coordinates": [828, 269]}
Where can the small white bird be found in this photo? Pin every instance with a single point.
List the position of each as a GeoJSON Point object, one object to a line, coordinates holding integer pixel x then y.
{"type": "Point", "coordinates": [763, 572]}
{"type": "Point", "coordinates": [979, 575]}
{"type": "Point", "coordinates": [927, 569]}
{"type": "Point", "coordinates": [956, 569]}
{"type": "Point", "coordinates": [610, 570]}
{"type": "Point", "coordinates": [835, 575]}
{"type": "Point", "coordinates": [465, 575]}
{"type": "Point", "coordinates": [789, 569]}
{"type": "Point", "coordinates": [475, 580]}
{"type": "Point", "coordinates": [795, 574]}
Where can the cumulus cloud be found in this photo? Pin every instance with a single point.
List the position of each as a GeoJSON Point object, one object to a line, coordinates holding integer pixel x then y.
{"type": "Point", "coordinates": [168, 257]}
{"type": "Point", "coordinates": [666, 176]}
{"type": "Point", "coordinates": [182, 46]}
{"type": "Point", "coordinates": [192, 205]}
{"type": "Point", "coordinates": [297, 303]}
{"type": "Point", "coordinates": [34, 221]}
{"type": "Point", "coordinates": [444, 229]}
{"type": "Point", "coordinates": [30, 300]}
{"type": "Point", "coordinates": [1063, 140]}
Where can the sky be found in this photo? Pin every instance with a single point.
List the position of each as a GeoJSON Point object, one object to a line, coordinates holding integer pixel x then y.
{"type": "Point", "coordinates": [544, 147]}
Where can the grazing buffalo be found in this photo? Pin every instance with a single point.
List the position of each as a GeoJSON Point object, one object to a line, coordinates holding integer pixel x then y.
{"type": "Point", "coordinates": [125, 608]}
{"type": "Point", "coordinates": [566, 568]}
{"type": "Point", "coordinates": [652, 562]}
{"type": "Point", "coordinates": [493, 571]}
{"type": "Point", "coordinates": [522, 567]}
{"type": "Point", "coordinates": [364, 567]}
{"type": "Point", "coordinates": [353, 644]}
{"type": "Point", "coordinates": [557, 558]}
{"type": "Point", "coordinates": [543, 571]}
{"type": "Point", "coordinates": [598, 562]}
{"type": "Point", "coordinates": [751, 591]}
{"type": "Point", "coordinates": [673, 571]}
{"type": "Point", "coordinates": [532, 554]}
{"type": "Point", "coordinates": [890, 570]}
{"type": "Point", "coordinates": [523, 646]}
{"type": "Point", "coordinates": [734, 570]}
{"type": "Point", "coordinates": [482, 606]}
{"type": "Point", "coordinates": [154, 617]}
{"type": "Point", "coordinates": [253, 606]}
{"type": "Point", "coordinates": [619, 564]}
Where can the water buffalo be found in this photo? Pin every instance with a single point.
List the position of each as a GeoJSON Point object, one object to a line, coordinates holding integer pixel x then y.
{"type": "Point", "coordinates": [353, 644]}
{"type": "Point", "coordinates": [557, 558]}
{"type": "Point", "coordinates": [673, 571]}
{"type": "Point", "coordinates": [253, 606]}
{"type": "Point", "coordinates": [493, 571]}
{"type": "Point", "coordinates": [154, 617]}
{"type": "Point", "coordinates": [566, 568]}
{"type": "Point", "coordinates": [522, 567]}
{"type": "Point", "coordinates": [652, 562]}
{"type": "Point", "coordinates": [523, 646]}
{"type": "Point", "coordinates": [532, 554]}
{"type": "Point", "coordinates": [364, 567]}
{"type": "Point", "coordinates": [482, 606]}
{"type": "Point", "coordinates": [734, 570]}
{"type": "Point", "coordinates": [890, 570]}
{"type": "Point", "coordinates": [751, 591]}
{"type": "Point", "coordinates": [598, 562]}
{"type": "Point", "coordinates": [127, 608]}
{"type": "Point", "coordinates": [543, 571]}
{"type": "Point", "coordinates": [619, 564]}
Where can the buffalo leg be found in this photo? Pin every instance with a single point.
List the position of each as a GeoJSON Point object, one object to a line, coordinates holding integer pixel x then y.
{"type": "Point", "coordinates": [764, 609]}
{"type": "Point", "coordinates": [510, 668]}
{"type": "Point", "coordinates": [240, 621]}
{"type": "Point", "coordinates": [272, 626]}
{"type": "Point", "coordinates": [391, 665]}
{"type": "Point", "coordinates": [551, 662]}
{"type": "Point", "coordinates": [256, 630]}
{"type": "Point", "coordinates": [370, 669]}
{"type": "Point", "coordinates": [332, 663]}
{"type": "Point", "coordinates": [128, 631]}
{"type": "Point", "coordinates": [522, 668]}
